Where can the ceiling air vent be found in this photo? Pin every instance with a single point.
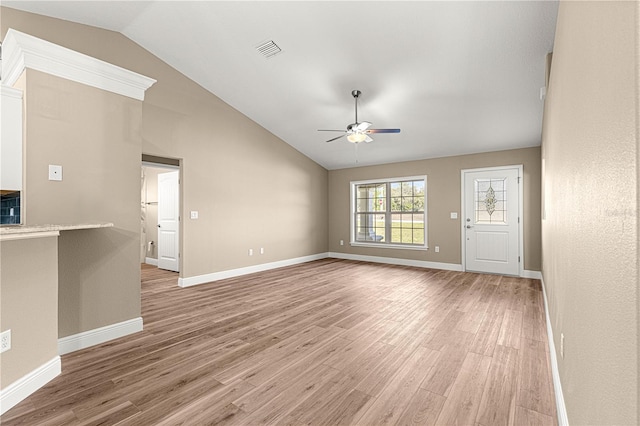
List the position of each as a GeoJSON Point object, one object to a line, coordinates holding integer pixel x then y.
{"type": "Point", "coordinates": [268, 49]}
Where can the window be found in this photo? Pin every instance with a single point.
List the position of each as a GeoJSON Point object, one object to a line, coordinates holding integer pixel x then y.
{"type": "Point", "coordinates": [490, 198]}
{"type": "Point", "coordinates": [389, 212]}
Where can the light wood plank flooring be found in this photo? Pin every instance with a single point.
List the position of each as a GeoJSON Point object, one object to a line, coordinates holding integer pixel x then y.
{"type": "Point", "coordinates": [326, 342]}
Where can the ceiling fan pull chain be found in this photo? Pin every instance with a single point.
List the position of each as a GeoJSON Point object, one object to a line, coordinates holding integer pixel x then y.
{"type": "Point", "coordinates": [356, 152]}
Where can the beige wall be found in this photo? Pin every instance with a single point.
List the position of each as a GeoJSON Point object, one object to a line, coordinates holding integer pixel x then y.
{"type": "Point", "coordinates": [590, 233]}
{"type": "Point", "coordinates": [251, 189]}
{"type": "Point", "coordinates": [443, 197]}
{"type": "Point", "coordinates": [29, 277]}
{"type": "Point", "coordinates": [92, 135]}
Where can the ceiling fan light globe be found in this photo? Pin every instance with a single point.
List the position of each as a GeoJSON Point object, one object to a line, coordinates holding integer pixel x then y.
{"type": "Point", "coordinates": [356, 137]}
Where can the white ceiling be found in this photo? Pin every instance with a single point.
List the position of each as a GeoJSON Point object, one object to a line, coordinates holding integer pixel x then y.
{"type": "Point", "coordinates": [456, 77]}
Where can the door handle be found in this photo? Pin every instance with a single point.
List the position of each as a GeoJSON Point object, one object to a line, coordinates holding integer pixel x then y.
{"type": "Point", "coordinates": [158, 226]}
{"type": "Point", "coordinates": [468, 226]}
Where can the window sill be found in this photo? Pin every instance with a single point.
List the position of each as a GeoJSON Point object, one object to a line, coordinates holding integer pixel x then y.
{"type": "Point", "coordinates": [388, 246]}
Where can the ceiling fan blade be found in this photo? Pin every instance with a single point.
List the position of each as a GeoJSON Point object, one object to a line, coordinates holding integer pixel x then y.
{"type": "Point", "coordinates": [382, 131]}
{"type": "Point", "coordinates": [327, 130]}
{"type": "Point", "coordinates": [368, 139]}
{"type": "Point", "coordinates": [361, 127]}
{"type": "Point", "coordinates": [336, 138]}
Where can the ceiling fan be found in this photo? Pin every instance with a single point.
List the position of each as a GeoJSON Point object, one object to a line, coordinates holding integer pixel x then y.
{"type": "Point", "coordinates": [358, 132]}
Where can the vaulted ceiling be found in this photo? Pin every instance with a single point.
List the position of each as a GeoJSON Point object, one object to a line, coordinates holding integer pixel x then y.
{"type": "Point", "coordinates": [456, 77]}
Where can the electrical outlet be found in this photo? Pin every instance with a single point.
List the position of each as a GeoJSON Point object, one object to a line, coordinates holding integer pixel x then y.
{"type": "Point", "coordinates": [250, 252]}
{"type": "Point", "coordinates": [437, 249]}
{"type": "Point", "coordinates": [562, 345]}
{"type": "Point", "coordinates": [341, 242]}
{"type": "Point", "coordinates": [5, 341]}
{"type": "Point", "coordinates": [261, 250]}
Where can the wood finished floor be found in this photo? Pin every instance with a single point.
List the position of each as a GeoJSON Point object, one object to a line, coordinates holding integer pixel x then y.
{"type": "Point", "coordinates": [326, 342]}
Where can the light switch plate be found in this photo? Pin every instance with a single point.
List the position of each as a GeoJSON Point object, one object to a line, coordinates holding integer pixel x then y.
{"type": "Point", "coordinates": [454, 215]}
{"type": "Point", "coordinates": [55, 172]}
{"type": "Point", "coordinates": [194, 214]}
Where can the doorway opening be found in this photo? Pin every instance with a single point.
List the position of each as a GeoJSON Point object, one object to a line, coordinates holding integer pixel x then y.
{"type": "Point", "coordinates": [160, 205]}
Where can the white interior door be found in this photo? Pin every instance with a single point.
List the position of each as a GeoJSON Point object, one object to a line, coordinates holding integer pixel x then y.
{"type": "Point", "coordinates": [491, 228]}
{"type": "Point", "coordinates": [168, 221]}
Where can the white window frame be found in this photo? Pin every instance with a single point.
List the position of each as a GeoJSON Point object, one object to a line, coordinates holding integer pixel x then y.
{"type": "Point", "coordinates": [352, 214]}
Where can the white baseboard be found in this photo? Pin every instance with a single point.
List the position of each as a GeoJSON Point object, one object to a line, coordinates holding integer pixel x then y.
{"type": "Point", "coordinates": [151, 261]}
{"type": "Point", "coordinates": [536, 275]}
{"type": "Point", "coordinates": [396, 261]}
{"type": "Point", "coordinates": [561, 408]}
{"type": "Point", "coordinates": [99, 335]}
{"type": "Point", "coordinates": [25, 386]}
{"type": "Point", "coordinates": [215, 276]}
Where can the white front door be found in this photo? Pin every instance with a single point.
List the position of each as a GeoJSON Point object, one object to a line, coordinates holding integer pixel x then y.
{"type": "Point", "coordinates": [168, 221]}
{"type": "Point", "coordinates": [491, 228]}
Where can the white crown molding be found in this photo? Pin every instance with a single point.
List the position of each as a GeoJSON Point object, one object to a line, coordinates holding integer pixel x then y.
{"type": "Point", "coordinates": [21, 51]}
{"type": "Point", "coordinates": [25, 386]}
{"type": "Point", "coordinates": [11, 92]}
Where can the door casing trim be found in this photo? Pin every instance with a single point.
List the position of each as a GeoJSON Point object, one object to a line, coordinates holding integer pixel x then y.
{"type": "Point", "coordinates": [168, 163]}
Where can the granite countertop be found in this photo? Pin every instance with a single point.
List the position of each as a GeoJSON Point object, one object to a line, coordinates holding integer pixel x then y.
{"type": "Point", "coordinates": [30, 229]}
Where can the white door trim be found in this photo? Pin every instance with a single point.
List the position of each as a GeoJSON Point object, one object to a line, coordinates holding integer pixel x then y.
{"type": "Point", "coordinates": [160, 166]}
{"type": "Point", "coordinates": [520, 215]}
